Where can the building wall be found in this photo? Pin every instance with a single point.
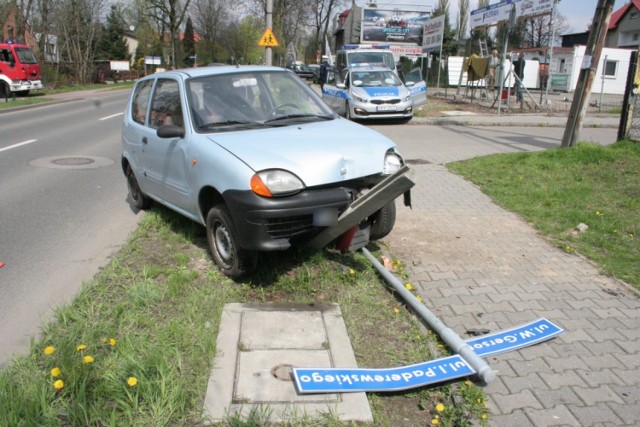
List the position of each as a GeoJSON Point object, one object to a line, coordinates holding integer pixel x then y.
{"type": "Point", "coordinates": [627, 32]}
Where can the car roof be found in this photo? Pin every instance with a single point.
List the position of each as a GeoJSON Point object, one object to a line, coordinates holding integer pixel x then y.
{"type": "Point", "coordinates": [186, 73]}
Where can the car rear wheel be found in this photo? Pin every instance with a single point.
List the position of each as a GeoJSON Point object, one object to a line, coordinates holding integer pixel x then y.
{"type": "Point", "coordinates": [138, 198]}
{"type": "Point", "coordinates": [383, 221]}
{"type": "Point", "coordinates": [222, 237]}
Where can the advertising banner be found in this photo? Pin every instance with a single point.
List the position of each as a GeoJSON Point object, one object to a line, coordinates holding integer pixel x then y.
{"type": "Point", "coordinates": [393, 26]}
{"type": "Point", "coordinates": [495, 13]}
{"type": "Point", "coordinates": [433, 33]}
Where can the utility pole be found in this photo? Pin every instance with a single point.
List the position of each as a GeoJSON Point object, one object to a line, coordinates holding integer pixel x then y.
{"type": "Point", "coordinates": [268, 52]}
{"type": "Point", "coordinates": [588, 70]}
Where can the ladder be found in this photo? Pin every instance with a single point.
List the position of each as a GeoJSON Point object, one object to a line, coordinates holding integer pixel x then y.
{"type": "Point", "coordinates": [484, 51]}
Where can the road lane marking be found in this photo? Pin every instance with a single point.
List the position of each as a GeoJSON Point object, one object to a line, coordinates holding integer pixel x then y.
{"type": "Point", "coordinates": [111, 116]}
{"type": "Point", "coordinates": [18, 145]}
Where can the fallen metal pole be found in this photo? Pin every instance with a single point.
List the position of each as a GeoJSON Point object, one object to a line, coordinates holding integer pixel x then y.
{"type": "Point", "coordinates": [457, 344]}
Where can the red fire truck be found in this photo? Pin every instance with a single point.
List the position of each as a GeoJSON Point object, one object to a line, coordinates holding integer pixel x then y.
{"type": "Point", "coordinates": [19, 70]}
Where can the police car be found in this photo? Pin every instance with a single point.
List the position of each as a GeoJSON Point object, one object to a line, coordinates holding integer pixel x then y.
{"type": "Point", "coordinates": [366, 92]}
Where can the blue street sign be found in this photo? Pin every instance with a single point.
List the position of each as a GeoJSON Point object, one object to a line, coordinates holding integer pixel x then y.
{"type": "Point", "coordinates": [332, 380]}
{"type": "Point", "coordinates": [515, 338]}
{"type": "Point", "coordinates": [347, 380]}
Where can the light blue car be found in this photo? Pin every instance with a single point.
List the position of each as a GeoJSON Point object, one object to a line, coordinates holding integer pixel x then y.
{"type": "Point", "coordinates": [367, 92]}
{"type": "Point", "coordinates": [253, 154]}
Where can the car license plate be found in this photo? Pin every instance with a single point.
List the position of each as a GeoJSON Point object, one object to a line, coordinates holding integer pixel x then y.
{"type": "Point", "coordinates": [386, 108]}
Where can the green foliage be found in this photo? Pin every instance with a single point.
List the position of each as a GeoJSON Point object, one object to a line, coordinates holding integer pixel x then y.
{"type": "Point", "coordinates": [111, 45]}
{"type": "Point", "coordinates": [558, 189]}
{"type": "Point", "coordinates": [189, 44]}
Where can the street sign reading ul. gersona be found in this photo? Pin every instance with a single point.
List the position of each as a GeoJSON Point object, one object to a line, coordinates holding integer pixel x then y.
{"type": "Point", "coordinates": [345, 380]}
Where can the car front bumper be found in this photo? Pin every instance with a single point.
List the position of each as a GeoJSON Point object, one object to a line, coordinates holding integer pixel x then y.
{"type": "Point", "coordinates": [270, 224]}
{"type": "Point", "coordinates": [382, 109]}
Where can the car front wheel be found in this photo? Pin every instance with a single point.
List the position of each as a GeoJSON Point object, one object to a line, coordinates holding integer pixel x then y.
{"type": "Point", "coordinates": [383, 221]}
{"type": "Point", "coordinates": [138, 198]}
{"type": "Point", "coordinates": [222, 237]}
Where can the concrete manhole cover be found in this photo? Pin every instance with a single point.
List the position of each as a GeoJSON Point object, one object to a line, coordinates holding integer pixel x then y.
{"type": "Point", "coordinates": [282, 372]}
{"type": "Point", "coordinates": [71, 162]}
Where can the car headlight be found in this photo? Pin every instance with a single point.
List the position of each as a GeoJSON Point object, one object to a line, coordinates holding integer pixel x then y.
{"type": "Point", "coordinates": [275, 182]}
{"type": "Point", "coordinates": [360, 99]}
{"type": "Point", "coordinates": [392, 163]}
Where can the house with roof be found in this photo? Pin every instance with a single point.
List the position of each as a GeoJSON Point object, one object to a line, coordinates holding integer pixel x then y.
{"type": "Point", "coordinates": [624, 27]}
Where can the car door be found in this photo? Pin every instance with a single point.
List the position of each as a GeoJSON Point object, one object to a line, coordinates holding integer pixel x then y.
{"type": "Point", "coordinates": [335, 96]}
{"type": "Point", "coordinates": [417, 86]}
{"type": "Point", "coordinates": [164, 160]}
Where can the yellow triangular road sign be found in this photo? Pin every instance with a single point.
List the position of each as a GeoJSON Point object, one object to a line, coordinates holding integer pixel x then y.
{"type": "Point", "coordinates": [268, 39]}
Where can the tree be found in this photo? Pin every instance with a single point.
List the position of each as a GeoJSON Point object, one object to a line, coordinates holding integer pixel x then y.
{"type": "Point", "coordinates": [189, 44]}
{"type": "Point", "coordinates": [243, 42]}
{"type": "Point", "coordinates": [78, 25]}
{"type": "Point", "coordinates": [211, 19]}
{"type": "Point", "coordinates": [449, 44]}
{"type": "Point", "coordinates": [169, 16]}
{"type": "Point", "coordinates": [322, 11]}
{"type": "Point", "coordinates": [111, 44]}
{"type": "Point", "coordinates": [463, 13]}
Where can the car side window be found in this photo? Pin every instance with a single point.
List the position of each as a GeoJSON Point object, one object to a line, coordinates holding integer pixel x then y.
{"type": "Point", "coordinates": [140, 102]}
{"type": "Point", "coordinates": [166, 108]}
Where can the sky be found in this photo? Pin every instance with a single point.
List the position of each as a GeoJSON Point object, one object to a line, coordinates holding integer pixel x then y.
{"type": "Point", "coordinates": [578, 13]}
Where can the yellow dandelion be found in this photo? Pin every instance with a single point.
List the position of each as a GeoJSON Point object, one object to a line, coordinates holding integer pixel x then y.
{"type": "Point", "coordinates": [439, 407]}
{"type": "Point", "coordinates": [81, 347]}
{"type": "Point", "coordinates": [408, 286]}
{"type": "Point", "coordinates": [112, 342]}
{"type": "Point", "coordinates": [396, 310]}
{"type": "Point", "coordinates": [87, 359]}
{"type": "Point", "coordinates": [435, 421]}
{"type": "Point", "coordinates": [58, 385]}
{"type": "Point", "coordinates": [598, 213]}
{"type": "Point", "coordinates": [479, 400]}
{"type": "Point", "coordinates": [484, 416]}
{"type": "Point", "coordinates": [49, 350]}
{"type": "Point", "coordinates": [419, 298]}
{"type": "Point", "coordinates": [352, 272]}
{"type": "Point", "coordinates": [132, 381]}
{"type": "Point", "coordinates": [468, 383]}
{"type": "Point", "coordinates": [55, 372]}
{"type": "Point", "coordinates": [440, 346]}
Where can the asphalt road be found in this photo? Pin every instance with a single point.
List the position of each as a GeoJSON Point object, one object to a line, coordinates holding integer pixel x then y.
{"type": "Point", "coordinates": [63, 208]}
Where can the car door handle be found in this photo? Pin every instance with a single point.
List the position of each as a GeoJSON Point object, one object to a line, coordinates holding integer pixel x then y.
{"type": "Point", "coordinates": [144, 140]}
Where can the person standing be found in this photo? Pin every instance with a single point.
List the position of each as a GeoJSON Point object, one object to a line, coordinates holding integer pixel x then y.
{"type": "Point", "coordinates": [518, 69]}
{"type": "Point", "coordinates": [494, 61]}
{"type": "Point", "coordinates": [324, 68]}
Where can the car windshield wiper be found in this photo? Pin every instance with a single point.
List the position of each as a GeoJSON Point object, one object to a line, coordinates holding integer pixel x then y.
{"type": "Point", "coordinates": [301, 116]}
{"type": "Point", "coordinates": [223, 123]}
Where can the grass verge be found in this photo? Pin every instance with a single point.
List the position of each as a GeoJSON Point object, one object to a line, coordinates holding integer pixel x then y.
{"type": "Point", "coordinates": [556, 190]}
{"type": "Point", "coordinates": [41, 97]}
{"type": "Point", "coordinates": [135, 347]}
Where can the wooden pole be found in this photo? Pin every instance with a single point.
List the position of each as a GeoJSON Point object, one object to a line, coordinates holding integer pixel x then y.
{"type": "Point", "coordinates": [587, 72]}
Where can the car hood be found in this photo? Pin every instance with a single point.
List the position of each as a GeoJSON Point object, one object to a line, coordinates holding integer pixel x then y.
{"type": "Point", "coordinates": [318, 153]}
{"type": "Point", "coordinates": [380, 91]}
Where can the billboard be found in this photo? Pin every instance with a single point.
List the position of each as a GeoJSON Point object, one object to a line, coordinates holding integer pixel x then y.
{"type": "Point", "coordinates": [393, 26]}
{"type": "Point", "coordinates": [498, 12]}
{"type": "Point", "coordinates": [433, 33]}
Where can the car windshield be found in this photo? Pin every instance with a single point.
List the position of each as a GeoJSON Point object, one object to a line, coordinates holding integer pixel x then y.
{"type": "Point", "coordinates": [245, 100]}
{"type": "Point", "coordinates": [374, 78]}
{"type": "Point", "coordinates": [25, 55]}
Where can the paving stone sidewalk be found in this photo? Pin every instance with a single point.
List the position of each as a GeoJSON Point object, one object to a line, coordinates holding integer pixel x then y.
{"type": "Point", "coordinates": [479, 266]}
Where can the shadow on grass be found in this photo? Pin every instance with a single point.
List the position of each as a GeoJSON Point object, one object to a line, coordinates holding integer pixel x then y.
{"type": "Point", "coordinates": [272, 266]}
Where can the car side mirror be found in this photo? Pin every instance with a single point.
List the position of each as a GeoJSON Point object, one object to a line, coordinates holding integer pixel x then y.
{"type": "Point", "coordinates": [341, 86]}
{"type": "Point", "coordinates": [170, 131]}
{"type": "Point", "coordinates": [409, 83]}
